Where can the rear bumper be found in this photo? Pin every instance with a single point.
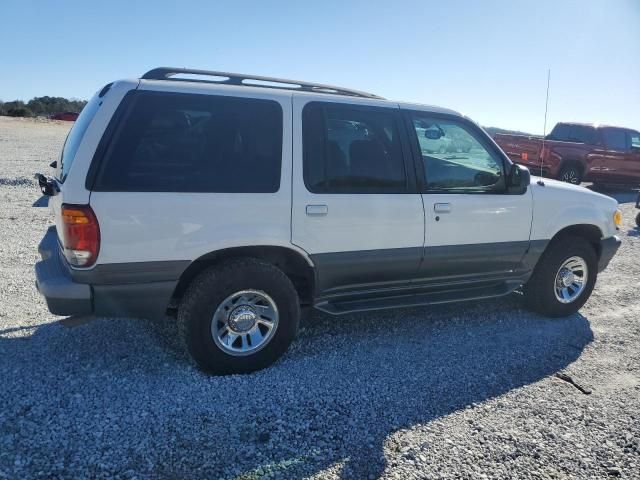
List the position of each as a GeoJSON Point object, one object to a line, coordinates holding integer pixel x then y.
{"type": "Point", "coordinates": [54, 282]}
{"type": "Point", "coordinates": [131, 290]}
{"type": "Point", "coordinates": [608, 248]}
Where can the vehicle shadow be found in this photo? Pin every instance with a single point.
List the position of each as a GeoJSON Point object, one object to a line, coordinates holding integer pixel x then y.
{"type": "Point", "coordinates": [346, 386]}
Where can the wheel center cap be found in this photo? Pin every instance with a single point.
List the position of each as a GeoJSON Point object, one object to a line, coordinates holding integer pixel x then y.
{"type": "Point", "coordinates": [242, 318]}
{"type": "Point", "coordinates": [567, 278]}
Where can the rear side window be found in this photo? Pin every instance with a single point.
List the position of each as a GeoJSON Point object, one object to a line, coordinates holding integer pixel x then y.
{"type": "Point", "coordinates": [614, 138]}
{"type": "Point", "coordinates": [352, 150]}
{"type": "Point", "coordinates": [583, 134]}
{"type": "Point", "coordinates": [573, 133]}
{"type": "Point", "coordinates": [172, 142]}
{"type": "Point", "coordinates": [75, 135]}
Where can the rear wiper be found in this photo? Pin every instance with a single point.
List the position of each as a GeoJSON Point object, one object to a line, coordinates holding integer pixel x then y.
{"type": "Point", "coordinates": [48, 186]}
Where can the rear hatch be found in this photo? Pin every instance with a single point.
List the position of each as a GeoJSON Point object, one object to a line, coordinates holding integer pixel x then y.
{"type": "Point", "coordinates": [79, 148]}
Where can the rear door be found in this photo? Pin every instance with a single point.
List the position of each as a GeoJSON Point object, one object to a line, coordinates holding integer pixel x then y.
{"type": "Point", "coordinates": [474, 229]}
{"type": "Point", "coordinates": [80, 146]}
{"type": "Point", "coordinates": [67, 159]}
{"type": "Point", "coordinates": [355, 209]}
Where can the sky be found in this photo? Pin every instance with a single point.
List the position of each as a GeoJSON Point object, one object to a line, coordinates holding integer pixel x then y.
{"type": "Point", "coordinates": [487, 59]}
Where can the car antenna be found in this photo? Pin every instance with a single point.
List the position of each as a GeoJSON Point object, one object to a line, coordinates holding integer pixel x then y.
{"type": "Point", "coordinates": [544, 128]}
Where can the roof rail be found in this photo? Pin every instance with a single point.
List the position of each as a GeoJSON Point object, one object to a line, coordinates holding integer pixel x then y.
{"type": "Point", "coordinates": [165, 73]}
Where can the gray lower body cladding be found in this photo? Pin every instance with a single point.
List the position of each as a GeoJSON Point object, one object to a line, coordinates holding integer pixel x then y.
{"type": "Point", "coordinates": [608, 248]}
{"type": "Point", "coordinates": [417, 267]}
{"type": "Point", "coordinates": [128, 289]}
{"type": "Point", "coordinates": [348, 281]}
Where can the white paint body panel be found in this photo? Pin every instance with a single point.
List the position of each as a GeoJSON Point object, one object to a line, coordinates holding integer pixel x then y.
{"type": "Point", "coordinates": [478, 218]}
{"type": "Point", "coordinates": [148, 226]}
{"type": "Point", "coordinates": [353, 221]}
{"type": "Point", "coordinates": [558, 205]}
{"type": "Point", "coordinates": [73, 190]}
{"type": "Point", "coordinates": [141, 227]}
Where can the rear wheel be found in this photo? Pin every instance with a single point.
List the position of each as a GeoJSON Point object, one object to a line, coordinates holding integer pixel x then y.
{"type": "Point", "coordinates": [571, 174]}
{"type": "Point", "coordinates": [563, 279]}
{"type": "Point", "coordinates": [239, 317]}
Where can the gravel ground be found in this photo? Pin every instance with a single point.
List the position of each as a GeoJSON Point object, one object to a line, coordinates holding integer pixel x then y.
{"type": "Point", "coordinates": [460, 391]}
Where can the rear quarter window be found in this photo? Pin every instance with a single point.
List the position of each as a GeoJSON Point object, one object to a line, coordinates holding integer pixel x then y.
{"type": "Point", "coordinates": [174, 142]}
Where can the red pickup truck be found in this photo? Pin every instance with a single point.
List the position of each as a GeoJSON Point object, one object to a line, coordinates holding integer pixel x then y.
{"type": "Point", "coordinates": [575, 152]}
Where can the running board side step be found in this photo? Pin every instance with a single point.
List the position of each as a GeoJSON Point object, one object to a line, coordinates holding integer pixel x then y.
{"type": "Point", "coordinates": [340, 307]}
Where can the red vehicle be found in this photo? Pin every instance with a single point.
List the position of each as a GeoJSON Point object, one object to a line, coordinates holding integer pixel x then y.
{"type": "Point", "coordinates": [576, 152]}
{"type": "Point", "coordinates": [69, 116]}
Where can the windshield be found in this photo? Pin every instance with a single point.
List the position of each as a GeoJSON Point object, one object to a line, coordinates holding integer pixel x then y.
{"type": "Point", "coordinates": [74, 137]}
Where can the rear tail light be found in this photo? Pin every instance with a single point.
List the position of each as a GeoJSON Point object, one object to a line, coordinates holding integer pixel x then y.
{"type": "Point", "coordinates": [81, 235]}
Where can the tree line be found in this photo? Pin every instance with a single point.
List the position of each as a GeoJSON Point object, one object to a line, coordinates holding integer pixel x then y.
{"type": "Point", "coordinates": [41, 106]}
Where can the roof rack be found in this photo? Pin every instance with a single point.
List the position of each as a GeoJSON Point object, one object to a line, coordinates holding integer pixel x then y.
{"type": "Point", "coordinates": [165, 73]}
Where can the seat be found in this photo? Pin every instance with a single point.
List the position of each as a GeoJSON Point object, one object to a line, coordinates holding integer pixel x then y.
{"type": "Point", "coordinates": [369, 159]}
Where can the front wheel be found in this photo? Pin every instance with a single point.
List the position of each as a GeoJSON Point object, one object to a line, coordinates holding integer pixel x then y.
{"type": "Point", "coordinates": [563, 279]}
{"type": "Point", "coordinates": [570, 174]}
{"type": "Point", "coordinates": [239, 317]}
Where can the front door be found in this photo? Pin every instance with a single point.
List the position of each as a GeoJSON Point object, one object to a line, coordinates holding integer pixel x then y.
{"type": "Point", "coordinates": [474, 229]}
{"type": "Point", "coordinates": [355, 209]}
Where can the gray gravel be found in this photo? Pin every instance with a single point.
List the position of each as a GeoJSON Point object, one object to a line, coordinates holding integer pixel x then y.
{"type": "Point", "coordinates": [458, 391]}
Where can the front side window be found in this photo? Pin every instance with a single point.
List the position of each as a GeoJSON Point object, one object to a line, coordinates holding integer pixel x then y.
{"type": "Point", "coordinates": [560, 132]}
{"type": "Point", "coordinates": [351, 150]}
{"type": "Point", "coordinates": [454, 159]}
{"type": "Point", "coordinates": [174, 142]}
{"type": "Point", "coordinates": [634, 139]}
{"type": "Point", "coordinates": [614, 138]}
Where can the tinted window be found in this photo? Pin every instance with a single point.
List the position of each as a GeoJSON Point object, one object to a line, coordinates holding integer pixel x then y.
{"type": "Point", "coordinates": [614, 138]}
{"type": "Point", "coordinates": [454, 158]}
{"type": "Point", "coordinates": [634, 141]}
{"type": "Point", "coordinates": [582, 134]}
{"type": "Point", "coordinates": [351, 150]}
{"type": "Point", "coordinates": [170, 142]}
{"type": "Point", "coordinates": [573, 133]}
{"type": "Point", "coordinates": [560, 132]}
{"type": "Point", "coordinates": [74, 137]}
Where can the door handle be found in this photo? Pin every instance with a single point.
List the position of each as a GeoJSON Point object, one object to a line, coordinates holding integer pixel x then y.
{"type": "Point", "coordinates": [442, 207]}
{"type": "Point", "coordinates": [317, 210]}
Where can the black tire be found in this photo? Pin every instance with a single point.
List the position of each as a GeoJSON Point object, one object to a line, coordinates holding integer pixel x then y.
{"type": "Point", "coordinates": [570, 173]}
{"type": "Point", "coordinates": [207, 291]}
{"type": "Point", "coordinates": [638, 220]}
{"type": "Point", "coordinates": [539, 291]}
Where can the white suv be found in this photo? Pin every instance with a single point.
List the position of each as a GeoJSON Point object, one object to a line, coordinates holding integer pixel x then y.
{"type": "Point", "coordinates": [235, 200]}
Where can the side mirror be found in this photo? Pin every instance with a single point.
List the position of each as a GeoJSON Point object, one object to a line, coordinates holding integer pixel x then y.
{"type": "Point", "coordinates": [519, 179]}
{"type": "Point", "coordinates": [48, 187]}
{"type": "Point", "coordinates": [433, 134]}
